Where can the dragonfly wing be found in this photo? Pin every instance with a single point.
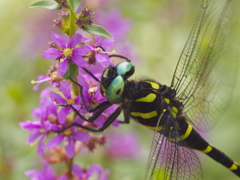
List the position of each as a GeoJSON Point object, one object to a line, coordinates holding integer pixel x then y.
{"type": "Point", "coordinates": [203, 78]}
{"type": "Point", "coordinates": [171, 161]}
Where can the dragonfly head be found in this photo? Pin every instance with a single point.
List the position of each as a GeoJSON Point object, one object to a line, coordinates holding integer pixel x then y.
{"type": "Point", "coordinates": [113, 81]}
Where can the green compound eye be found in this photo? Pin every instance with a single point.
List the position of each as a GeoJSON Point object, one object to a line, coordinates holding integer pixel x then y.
{"type": "Point", "coordinates": [115, 90]}
{"type": "Point", "coordinates": [125, 68]}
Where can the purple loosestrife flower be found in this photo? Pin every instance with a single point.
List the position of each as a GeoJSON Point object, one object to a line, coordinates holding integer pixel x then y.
{"type": "Point", "coordinates": [67, 51]}
{"type": "Point", "coordinates": [51, 77]}
{"type": "Point", "coordinates": [95, 171]}
{"type": "Point", "coordinates": [98, 52]}
{"type": "Point", "coordinates": [39, 130]}
{"type": "Point", "coordinates": [101, 174]}
{"type": "Point", "coordinates": [42, 127]}
{"type": "Point", "coordinates": [68, 99]}
{"type": "Point", "coordinates": [69, 136]}
{"type": "Point", "coordinates": [46, 174]}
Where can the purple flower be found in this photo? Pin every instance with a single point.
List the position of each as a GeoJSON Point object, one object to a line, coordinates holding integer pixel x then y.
{"type": "Point", "coordinates": [67, 51]}
{"type": "Point", "coordinates": [39, 131]}
{"type": "Point", "coordinates": [69, 136]}
{"type": "Point", "coordinates": [46, 174]}
{"type": "Point", "coordinates": [98, 51]}
{"type": "Point", "coordinates": [52, 77]}
{"type": "Point", "coordinates": [82, 173]}
{"type": "Point", "coordinates": [42, 127]}
{"type": "Point", "coordinates": [101, 174]}
{"type": "Point", "coordinates": [77, 173]}
{"type": "Point", "coordinates": [68, 99]}
{"type": "Point", "coordinates": [47, 107]}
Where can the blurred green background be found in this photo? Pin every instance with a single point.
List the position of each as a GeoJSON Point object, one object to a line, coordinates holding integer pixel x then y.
{"type": "Point", "coordinates": [159, 32]}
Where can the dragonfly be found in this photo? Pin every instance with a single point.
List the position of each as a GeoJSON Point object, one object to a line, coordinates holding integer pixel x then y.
{"type": "Point", "coordinates": [195, 100]}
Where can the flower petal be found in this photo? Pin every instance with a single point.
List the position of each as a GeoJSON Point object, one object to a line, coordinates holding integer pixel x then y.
{"type": "Point", "coordinates": [62, 68]}
{"type": "Point", "coordinates": [79, 61]}
{"type": "Point", "coordinates": [33, 136]}
{"type": "Point", "coordinates": [100, 120]}
{"type": "Point", "coordinates": [70, 148]}
{"type": "Point", "coordinates": [56, 97]}
{"type": "Point", "coordinates": [48, 171]}
{"type": "Point", "coordinates": [56, 127]}
{"type": "Point", "coordinates": [85, 39]}
{"type": "Point", "coordinates": [97, 40]}
{"type": "Point", "coordinates": [82, 51]}
{"type": "Point", "coordinates": [94, 168]}
{"type": "Point", "coordinates": [55, 141]}
{"type": "Point", "coordinates": [77, 171]}
{"type": "Point", "coordinates": [74, 40]}
{"type": "Point", "coordinates": [65, 88]}
{"type": "Point", "coordinates": [102, 59]}
{"type": "Point", "coordinates": [52, 53]}
{"type": "Point", "coordinates": [45, 92]}
{"type": "Point", "coordinates": [107, 43]}
{"type": "Point", "coordinates": [63, 114]}
{"type": "Point", "coordinates": [105, 175]}
{"type": "Point", "coordinates": [33, 174]}
{"type": "Point", "coordinates": [77, 100]}
{"type": "Point", "coordinates": [47, 125]}
{"type": "Point", "coordinates": [30, 125]}
{"type": "Point", "coordinates": [85, 85]}
{"type": "Point", "coordinates": [78, 120]}
{"type": "Point", "coordinates": [36, 112]}
{"type": "Point", "coordinates": [40, 150]}
{"type": "Point", "coordinates": [81, 136]}
{"type": "Point", "coordinates": [58, 40]}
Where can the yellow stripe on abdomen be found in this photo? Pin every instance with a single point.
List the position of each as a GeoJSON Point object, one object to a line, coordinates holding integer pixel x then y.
{"type": "Point", "coordinates": [208, 149]}
{"type": "Point", "coordinates": [187, 133]}
{"type": "Point", "coordinates": [234, 166]}
{"type": "Point", "coordinates": [145, 115]}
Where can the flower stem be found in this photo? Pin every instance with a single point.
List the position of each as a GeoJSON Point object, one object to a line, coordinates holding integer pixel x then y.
{"type": "Point", "coordinates": [69, 165]}
{"type": "Point", "coordinates": [72, 23]}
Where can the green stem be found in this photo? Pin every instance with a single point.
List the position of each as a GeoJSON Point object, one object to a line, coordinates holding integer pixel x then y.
{"type": "Point", "coordinates": [71, 23]}
{"type": "Point", "coordinates": [69, 163]}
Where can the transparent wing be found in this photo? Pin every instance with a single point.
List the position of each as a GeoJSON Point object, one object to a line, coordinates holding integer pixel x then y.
{"type": "Point", "coordinates": [168, 161]}
{"type": "Point", "coordinates": [203, 78]}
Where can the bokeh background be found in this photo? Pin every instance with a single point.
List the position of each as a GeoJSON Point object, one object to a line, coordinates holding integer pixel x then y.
{"type": "Point", "coordinates": [159, 29]}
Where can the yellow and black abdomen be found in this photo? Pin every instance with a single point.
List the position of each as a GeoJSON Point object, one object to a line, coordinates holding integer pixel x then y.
{"type": "Point", "coordinates": [194, 140]}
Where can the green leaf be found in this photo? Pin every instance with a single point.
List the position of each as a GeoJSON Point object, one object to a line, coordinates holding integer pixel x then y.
{"type": "Point", "coordinates": [52, 5]}
{"type": "Point", "coordinates": [74, 4]}
{"type": "Point", "coordinates": [97, 30]}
